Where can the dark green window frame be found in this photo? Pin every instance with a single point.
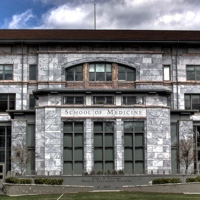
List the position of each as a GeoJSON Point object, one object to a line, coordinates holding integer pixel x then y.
{"type": "Point", "coordinates": [126, 73]}
{"type": "Point", "coordinates": [193, 72]}
{"type": "Point", "coordinates": [192, 101]}
{"type": "Point", "coordinates": [100, 72]}
{"type": "Point", "coordinates": [74, 73]}
{"type": "Point", "coordinates": [73, 100]}
{"type": "Point", "coordinates": [134, 158]}
{"type": "Point", "coordinates": [7, 102]}
{"type": "Point", "coordinates": [32, 72]}
{"type": "Point", "coordinates": [73, 148]}
{"type": "Point", "coordinates": [103, 146]}
{"type": "Point", "coordinates": [103, 99]}
{"type": "Point", "coordinates": [6, 72]}
{"type": "Point", "coordinates": [5, 145]}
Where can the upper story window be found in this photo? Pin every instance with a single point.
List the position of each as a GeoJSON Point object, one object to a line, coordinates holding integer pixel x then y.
{"type": "Point", "coordinates": [6, 72]}
{"type": "Point", "coordinates": [32, 102]}
{"type": "Point", "coordinates": [103, 100]}
{"type": "Point", "coordinates": [192, 101]}
{"type": "Point", "coordinates": [7, 102]}
{"type": "Point", "coordinates": [33, 72]}
{"type": "Point", "coordinates": [73, 100]}
{"type": "Point", "coordinates": [125, 73]}
{"type": "Point", "coordinates": [130, 100]}
{"type": "Point", "coordinates": [193, 72]}
{"type": "Point", "coordinates": [166, 73]}
{"type": "Point", "coordinates": [100, 72]}
{"type": "Point", "coordinates": [74, 73]}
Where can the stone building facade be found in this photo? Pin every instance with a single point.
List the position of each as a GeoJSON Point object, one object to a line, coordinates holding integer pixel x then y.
{"type": "Point", "coordinates": [83, 101]}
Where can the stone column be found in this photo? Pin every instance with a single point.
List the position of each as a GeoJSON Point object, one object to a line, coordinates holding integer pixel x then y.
{"type": "Point", "coordinates": [158, 140]}
{"type": "Point", "coordinates": [88, 146]}
{"type": "Point", "coordinates": [18, 137]}
{"type": "Point", "coordinates": [119, 149]}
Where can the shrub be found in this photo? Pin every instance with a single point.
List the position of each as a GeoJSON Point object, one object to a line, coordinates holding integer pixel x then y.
{"type": "Point", "coordinates": [166, 180]}
{"type": "Point", "coordinates": [120, 172]}
{"type": "Point", "coordinates": [18, 180]}
{"type": "Point", "coordinates": [49, 181]}
{"type": "Point", "coordinates": [197, 179]}
{"type": "Point", "coordinates": [190, 180]}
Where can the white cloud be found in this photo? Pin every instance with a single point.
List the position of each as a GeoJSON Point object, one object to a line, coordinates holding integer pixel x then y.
{"type": "Point", "coordinates": [21, 20]}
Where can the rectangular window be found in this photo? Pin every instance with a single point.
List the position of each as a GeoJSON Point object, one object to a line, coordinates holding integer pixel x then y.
{"type": "Point", "coordinates": [174, 148]}
{"type": "Point", "coordinates": [74, 73]}
{"type": "Point", "coordinates": [73, 148]}
{"type": "Point", "coordinates": [166, 72]}
{"type": "Point", "coordinates": [103, 146]}
{"type": "Point", "coordinates": [100, 72]}
{"type": "Point", "coordinates": [32, 102]}
{"type": "Point", "coordinates": [130, 100]}
{"type": "Point", "coordinates": [134, 147]}
{"type": "Point", "coordinates": [73, 100]}
{"type": "Point", "coordinates": [7, 102]}
{"type": "Point", "coordinates": [103, 100]}
{"type": "Point", "coordinates": [192, 101]}
{"type": "Point", "coordinates": [6, 72]}
{"type": "Point", "coordinates": [33, 72]}
{"type": "Point", "coordinates": [193, 72]}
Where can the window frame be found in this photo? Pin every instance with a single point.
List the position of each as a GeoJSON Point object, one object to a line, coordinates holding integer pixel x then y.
{"type": "Point", "coordinates": [74, 72]}
{"type": "Point", "coordinates": [74, 99]}
{"type": "Point", "coordinates": [190, 102]}
{"type": "Point", "coordinates": [34, 75]}
{"type": "Point", "coordinates": [94, 99]}
{"type": "Point", "coordinates": [132, 147]}
{"type": "Point", "coordinates": [8, 101]}
{"type": "Point", "coordinates": [125, 97]}
{"type": "Point", "coordinates": [31, 98]}
{"type": "Point", "coordinates": [105, 148]}
{"type": "Point", "coordinates": [194, 72]}
{"type": "Point", "coordinates": [4, 70]}
{"type": "Point", "coordinates": [95, 72]}
{"type": "Point", "coordinates": [73, 147]}
{"type": "Point", "coordinates": [126, 73]}
{"type": "Point", "coordinates": [168, 72]}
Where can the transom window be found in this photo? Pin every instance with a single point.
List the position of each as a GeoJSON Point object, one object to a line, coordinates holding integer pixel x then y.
{"type": "Point", "coordinates": [73, 148]}
{"type": "Point", "coordinates": [103, 146]}
{"type": "Point", "coordinates": [133, 147]}
{"type": "Point", "coordinates": [193, 72]}
{"type": "Point", "coordinates": [74, 73]}
{"type": "Point", "coordinates": [103, 100]}
{"type": "Point", "coordinates": [130, 100]}
{"type": "Point", "coordinates": [6, 72]}
{"type": "Point", "coordinates": [7, 102]}
{"type": "Point", "coordinates": [100, 72]}
{"type": "Point", "coordinates": [73, 100]}
{"type": "Point", "coordinates": [192, 101]}
{"type": "Point", "coordinates": [125, 73]}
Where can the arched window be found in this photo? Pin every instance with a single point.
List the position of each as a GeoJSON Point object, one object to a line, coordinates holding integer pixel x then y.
{"type": "Point", "coordinates": [126, 73]}
{"type": "Point", "coordinates": [74, 73]}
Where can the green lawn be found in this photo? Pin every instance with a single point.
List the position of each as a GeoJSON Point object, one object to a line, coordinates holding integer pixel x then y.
{"type": "Point", "coordinates": [107, 196]}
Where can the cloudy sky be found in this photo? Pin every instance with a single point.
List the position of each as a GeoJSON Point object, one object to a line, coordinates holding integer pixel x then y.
{"type": "Point", "coordinates": [110, 14]}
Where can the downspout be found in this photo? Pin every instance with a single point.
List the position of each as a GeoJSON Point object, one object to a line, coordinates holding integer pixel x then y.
{"type": "Point", "coordinates": [22, 79]}
{"type": "Point", "coordinates": [177, 74]}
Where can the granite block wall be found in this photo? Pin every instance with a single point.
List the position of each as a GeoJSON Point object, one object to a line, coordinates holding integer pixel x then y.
{"type": "Point", "coordinates": [158, 140]}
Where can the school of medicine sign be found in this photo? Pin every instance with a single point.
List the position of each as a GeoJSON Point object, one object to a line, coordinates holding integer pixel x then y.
{"type": "Point", "coordinates": [103, 112]}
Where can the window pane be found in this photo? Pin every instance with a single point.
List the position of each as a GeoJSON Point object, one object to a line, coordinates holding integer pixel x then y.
{"type": "Point", "coordinates": [167, 73]}
{"type": "Point", "coordinates": [121, 76]}
{"type": "Point", "coordinates": [108, 68]}
{"type": "Point", "coordinates": [131, 100]}
{"type": "Point", "coordinates": [139, 126]}
{"type": "Point", "coordinates": [138, 140]}
{"type": "Point", "coordinates": [190, 73]}
{"type": "Point", "coordinates": [78, 69]}
{"type": "Point", "coordinates": [91, 68]}
{"type": "Point", "coordinates": [121, 69]}
{"type": "Point", "coordinates": [98, 127]}
{"type": "Point", "coordinates": [130, 76]}
{"type": "Point", "coordinates": [32, 72]}
{"type": "Point", "coordinates": [67, 154]}
{"type": "Point", "coordinates": [128, 167]}
{"type": "Point", "coordinates": [139, 167]}
{"type": "Point", "coordinates": [109, 154]}
{"type": "Point", "coordinates": [69, 100]}
{"type": "Point", "coordinates": [8, 68]}
{"type": "Point", "coordinates": [109, 127]}
{"type": "Point", "coordinates": [31, 102]}
{"type": "Point", "coordinates": [98, 140]}
{"type": "Point", "coordinates": [67, 168]}
{"type": "Point", "coordinates": [68, 127]}
{"type": "Point", "coordinates": [78, 76]}
{"type": "Point", "coordinates": [100, 76]}
{"type": "Point", "coordinates": [195, 102]}
{"type": "Point", "coordinates": [31, 135]}
{"type": "Point", "coordinates": [92, 77]}
{"type": "Point", "coordinates": [108, 140]}
{"type": "Point", "coordinates": [78, 154]}
{"type": "Point", "coordinates": [128, 154]}
{"type": "Point", "coordinates": [68, 140]}
{"type": "Point", "coordinates": [98, 154]}
{"type": "Point", "coordinates": [174, 138]}
{"type": "Point", "coordinates": [108, 76]}
{"type": "Point", "coordinates": [70, 74]}
{"type": "Point", "coordinates": [109, 100]}
{"type": "Point", "coordinates": [99, 100]}
{"type": "Point", "coordinates": [98, 166]}
{"type": "Point", "coordinates": [79, 100]}
{"type": "Point", "coordinates": [78, 140]}
{"type": "Point", "coordinates": [128, 140]}
{"type": "Point", "coordinates": [109, 166]}
{"type": "Point", "coordinates": [139, 154]}
{"type": "Point", "coordinates": [187, 102]}
{"type": "Point", "coordinates": [100, 67]}
{"type": "Point", "coordinates": [78, 167]}
{"type": "Point", "coordinates": [78, 127]}
{"type": "Point", "coordinates": [128, 126]}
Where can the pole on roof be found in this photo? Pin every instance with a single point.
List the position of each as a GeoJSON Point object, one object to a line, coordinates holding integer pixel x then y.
{"type": "Point", "coordinates": [95, 16]}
